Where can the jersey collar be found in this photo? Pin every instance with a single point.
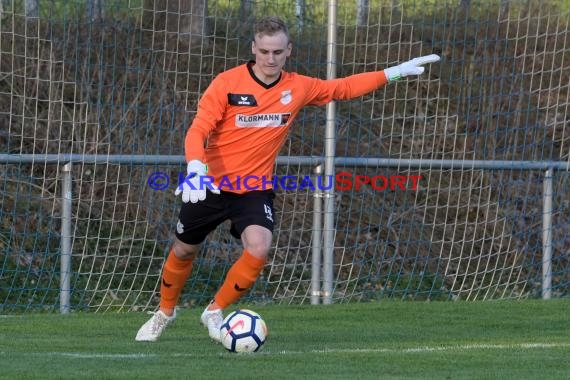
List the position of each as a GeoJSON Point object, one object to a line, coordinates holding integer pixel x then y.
{"type": "Point", "coordinates": [250, 69]}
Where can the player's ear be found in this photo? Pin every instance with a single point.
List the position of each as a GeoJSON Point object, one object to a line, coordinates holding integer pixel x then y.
{"type": "Point", "coordinates": [289, 48]}
{"type": "Point", "coordinates": [253, 47]}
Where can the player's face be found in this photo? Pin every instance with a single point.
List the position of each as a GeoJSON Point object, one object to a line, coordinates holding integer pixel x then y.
{"type": "Point", "coordinates": [270, 53]}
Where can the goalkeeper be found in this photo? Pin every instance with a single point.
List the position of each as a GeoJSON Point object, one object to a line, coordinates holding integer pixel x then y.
{"type": "Point", "coordinates": [242, 121]}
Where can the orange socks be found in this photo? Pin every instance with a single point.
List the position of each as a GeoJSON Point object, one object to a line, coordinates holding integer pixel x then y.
{"type": "Point", "coordinates": [174, 275]}
{"type": "Point", "coordinates": [240, 278]}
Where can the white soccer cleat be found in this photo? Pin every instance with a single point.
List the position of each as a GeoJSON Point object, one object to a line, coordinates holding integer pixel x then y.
{"type": "Point", "coordinates": [212, 320]}
{"type": "Point", "coordinates": [152, 329]}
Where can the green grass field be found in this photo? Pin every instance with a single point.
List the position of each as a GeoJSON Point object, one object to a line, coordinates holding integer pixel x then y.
{"type": "Point", "coordinates": [385, 340]}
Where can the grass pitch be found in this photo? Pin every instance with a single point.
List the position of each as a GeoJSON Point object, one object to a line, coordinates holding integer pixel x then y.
{"type": "Point", "coordinates": [384, 340]}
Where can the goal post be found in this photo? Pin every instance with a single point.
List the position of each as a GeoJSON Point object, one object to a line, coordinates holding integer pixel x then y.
{"type": "Point", "coordinates": [450, 186]}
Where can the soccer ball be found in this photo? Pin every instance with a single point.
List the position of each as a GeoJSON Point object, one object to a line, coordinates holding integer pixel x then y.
{"type": "Point", "coordinates": [243, 331]}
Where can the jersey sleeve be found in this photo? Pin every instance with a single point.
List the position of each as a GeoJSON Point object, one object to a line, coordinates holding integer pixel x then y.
{"type": "Point", "coordinates": [211, 109]}
{"type": "Point", "coordinates": [322, 91]}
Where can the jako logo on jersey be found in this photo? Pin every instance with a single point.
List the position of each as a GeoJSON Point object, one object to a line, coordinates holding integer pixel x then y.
{"type": "Point", "coordinates": [262, 120]}
{"type": "Point", "coordinates": [242, 100]}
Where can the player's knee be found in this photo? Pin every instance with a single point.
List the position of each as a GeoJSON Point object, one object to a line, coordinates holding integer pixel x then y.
{"type": "Point", "coordinates": [257, 241]}
{"type": "Point", "coordinates": [257, 247]}
{"type": "Point", "coordinates": [185, 251]}
{"type": "Point", "coordinates": [260, 252]}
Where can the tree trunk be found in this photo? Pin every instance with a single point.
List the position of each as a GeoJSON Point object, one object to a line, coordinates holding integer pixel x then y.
{"type": "Point", "coordinates": [32, 8]}
{"type": "Point", "coordinates": [95, 10]}
{"type": "Point", "coordinates": [362, 10]}
{"type": "Point", "coordinates": [186, 18]}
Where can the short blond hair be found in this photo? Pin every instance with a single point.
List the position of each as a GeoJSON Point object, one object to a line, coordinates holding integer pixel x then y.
{"type": "Point", "coordinates": [271, 25]}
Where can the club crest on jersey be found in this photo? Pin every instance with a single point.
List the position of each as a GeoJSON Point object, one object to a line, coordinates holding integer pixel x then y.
{"type": "Point", "coordinates": [286, 97]}
{"type": "Point", "coordinates": [246, 100]}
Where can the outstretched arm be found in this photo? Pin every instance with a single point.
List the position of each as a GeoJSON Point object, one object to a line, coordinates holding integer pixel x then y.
{"type": "Point", "coordinates": [356, 85]}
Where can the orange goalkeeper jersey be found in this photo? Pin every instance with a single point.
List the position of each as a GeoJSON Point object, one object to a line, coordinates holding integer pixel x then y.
{"type": "Point", "coordinates": [245, 122]}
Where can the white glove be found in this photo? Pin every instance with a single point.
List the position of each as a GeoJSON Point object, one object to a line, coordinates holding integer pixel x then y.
{"type": "Point", "coordinates": [193, 188]}
{"type": "Point", "coordinates": [413, 67]}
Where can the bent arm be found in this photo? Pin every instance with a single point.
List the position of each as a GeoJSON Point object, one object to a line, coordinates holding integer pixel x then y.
{"type": "Point", "coordinates": [211, 108]}
{"type": "Point", "coordinates": [195, 141]}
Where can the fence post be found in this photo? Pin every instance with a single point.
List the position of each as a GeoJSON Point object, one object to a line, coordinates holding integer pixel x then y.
{"type": "Point", "coordinates": [547, 235]}
{"type": "Point", "coordinates": [330, 143]}
{"type": "Point", "coordinates": [316, 238]}
{"type": "Point", "coordinates": [65, 258]}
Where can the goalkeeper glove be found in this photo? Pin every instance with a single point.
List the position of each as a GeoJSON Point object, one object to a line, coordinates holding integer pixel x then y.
{"type": "Point", "coordinates": [193, 188]}
{"type": "Point", "coordinates": [413, 67]}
